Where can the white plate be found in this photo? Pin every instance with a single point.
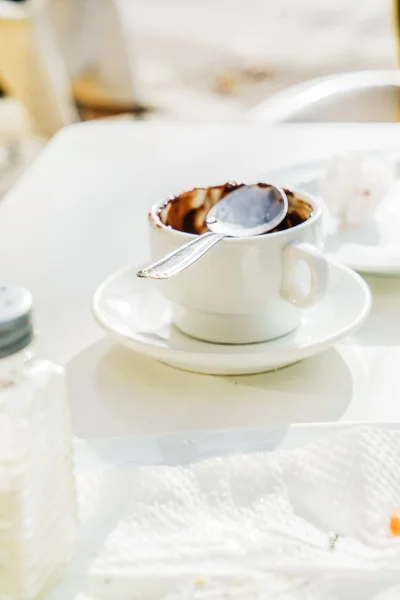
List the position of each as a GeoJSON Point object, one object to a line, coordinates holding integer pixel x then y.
{"type": "Point", "coordinates": [371, 249]}
{"type": "Point", "coordinates": [130, 311]}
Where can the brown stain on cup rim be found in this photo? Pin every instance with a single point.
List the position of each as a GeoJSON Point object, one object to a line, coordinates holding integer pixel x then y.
{"type": "Point", "coordinates": [187, 212]}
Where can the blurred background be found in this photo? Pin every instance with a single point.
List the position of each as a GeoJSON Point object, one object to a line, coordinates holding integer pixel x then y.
{"type": "Point", "coordinates": [62, 61]}
{"type": "Point", "coordinates": [214, 59]}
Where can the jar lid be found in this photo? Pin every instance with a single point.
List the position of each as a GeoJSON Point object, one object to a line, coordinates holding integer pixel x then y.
{"type": "Point", "coordinates": [16, 329]}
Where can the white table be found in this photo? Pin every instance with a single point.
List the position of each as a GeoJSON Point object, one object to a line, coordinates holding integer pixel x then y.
{"type": "Point", "coordinates": [80, 213]}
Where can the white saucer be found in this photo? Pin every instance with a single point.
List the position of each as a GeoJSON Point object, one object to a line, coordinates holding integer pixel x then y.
{"type": "Point", "coordinates": [371, 249]}
{"type": "Point", "coordinates": [132, 312]}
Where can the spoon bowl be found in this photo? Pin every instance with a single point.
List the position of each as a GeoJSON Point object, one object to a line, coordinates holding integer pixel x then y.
{"type": "Point", "coordinates": [248, 211]}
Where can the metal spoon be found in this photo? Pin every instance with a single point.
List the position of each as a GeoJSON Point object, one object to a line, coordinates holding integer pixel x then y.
{"type": "Point", "coordinates": [247, 211]}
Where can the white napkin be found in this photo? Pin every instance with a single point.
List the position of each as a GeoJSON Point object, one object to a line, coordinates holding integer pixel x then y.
{"type": "Point", "coordinates": [354, 184]}
{"type": "Point", "coordinates": [307, 523]}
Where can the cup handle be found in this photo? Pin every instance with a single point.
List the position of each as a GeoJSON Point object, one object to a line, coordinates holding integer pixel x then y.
{"type": "Point", "coordinates": [319, 274]}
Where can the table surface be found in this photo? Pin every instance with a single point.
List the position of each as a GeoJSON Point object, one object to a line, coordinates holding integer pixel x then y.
{"type": "Point", "coordinates": [80, 213]}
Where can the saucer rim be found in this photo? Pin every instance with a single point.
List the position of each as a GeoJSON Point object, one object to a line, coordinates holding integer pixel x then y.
{"type": "Point", "coordinates": [288, 354]}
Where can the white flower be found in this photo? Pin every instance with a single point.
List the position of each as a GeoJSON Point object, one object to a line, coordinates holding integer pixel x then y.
{"type": "Point", "coordinates": [353, 186]}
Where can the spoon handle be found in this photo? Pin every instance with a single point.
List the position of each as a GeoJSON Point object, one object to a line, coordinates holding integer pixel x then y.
{"type": "Point", "coordinates": [181, 258]}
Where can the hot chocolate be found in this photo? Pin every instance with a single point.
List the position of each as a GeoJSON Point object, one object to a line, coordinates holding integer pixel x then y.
{"type": "Point", "coordinates": [187, 212]}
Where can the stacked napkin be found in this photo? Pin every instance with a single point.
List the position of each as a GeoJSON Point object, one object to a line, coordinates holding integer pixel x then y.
{"type": "Point", "coordinates": [312, 523]}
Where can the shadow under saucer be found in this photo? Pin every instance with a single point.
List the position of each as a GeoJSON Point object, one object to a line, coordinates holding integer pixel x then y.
{"type": "Point", "coordinates": [115, 392]}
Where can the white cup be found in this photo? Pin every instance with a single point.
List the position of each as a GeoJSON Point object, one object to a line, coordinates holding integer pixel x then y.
{"type": "Point", "coordinates": [243, 290]}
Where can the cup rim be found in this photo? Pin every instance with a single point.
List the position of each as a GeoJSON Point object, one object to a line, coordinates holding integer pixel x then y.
{"type": "Point", "coordinates": [156, 222]}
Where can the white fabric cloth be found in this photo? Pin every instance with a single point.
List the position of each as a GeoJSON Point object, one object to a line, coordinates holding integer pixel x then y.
{"type": "Point", "coordinates": [308, 523]}
{"type": "Point", "coordinates": [353, 186]}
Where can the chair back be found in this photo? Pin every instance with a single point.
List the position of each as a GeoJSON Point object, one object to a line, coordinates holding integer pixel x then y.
{"type": "Point", "coordinates": [365, 96]}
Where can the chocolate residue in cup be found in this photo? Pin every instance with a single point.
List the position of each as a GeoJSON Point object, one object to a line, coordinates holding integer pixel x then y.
{"type": "Point", "coordinates": [187, 212]}
{"type": "Point", "coordinates": [298, 211]}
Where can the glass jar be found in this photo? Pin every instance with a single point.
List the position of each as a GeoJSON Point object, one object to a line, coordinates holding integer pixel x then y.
{"type": "Point", "coordinates": [38, 515]}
